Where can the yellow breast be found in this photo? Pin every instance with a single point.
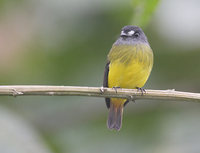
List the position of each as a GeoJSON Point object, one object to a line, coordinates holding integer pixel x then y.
{"type": "Point", "coordinates": [130, 66]}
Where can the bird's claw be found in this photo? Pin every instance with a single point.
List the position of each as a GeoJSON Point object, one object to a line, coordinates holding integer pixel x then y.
{"type": "Point", "coordinates": [142, 90]}
{"type": "Point", "coordinates": [115, 88]}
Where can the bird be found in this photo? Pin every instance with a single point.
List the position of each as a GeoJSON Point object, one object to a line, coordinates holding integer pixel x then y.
{"type": "Point", "coordinates": [129, 64]}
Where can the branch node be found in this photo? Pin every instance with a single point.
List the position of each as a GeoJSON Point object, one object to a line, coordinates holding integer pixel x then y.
{"type": "Point", "coordinates": [51, 93]}
{"type": "Point", "coordinates": [15, 93]}
{"type": "Point", "coordinates": [102, 90]}
{"type": "Point", "coordinates": [131, 98]}
{"type": "Point", "coordinates": [171, 89]}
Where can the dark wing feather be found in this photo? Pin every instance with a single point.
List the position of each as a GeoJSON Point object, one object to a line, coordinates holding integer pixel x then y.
{"type": "Point", "coordinates": [105, 82]}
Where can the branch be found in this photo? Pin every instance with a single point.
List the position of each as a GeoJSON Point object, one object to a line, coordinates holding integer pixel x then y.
{"type": "Point", "coordinates": [130, 94]}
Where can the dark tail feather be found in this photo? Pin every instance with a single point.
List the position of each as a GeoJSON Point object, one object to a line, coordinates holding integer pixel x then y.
{"type": "Point", "coordinates": [115, 117]}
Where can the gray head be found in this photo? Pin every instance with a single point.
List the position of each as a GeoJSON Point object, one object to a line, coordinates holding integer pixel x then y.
{"type": "Point", "coordinates": [131, 35]}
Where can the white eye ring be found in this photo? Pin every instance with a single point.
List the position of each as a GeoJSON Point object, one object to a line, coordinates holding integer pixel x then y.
{"type": "Point", "coordinates": [130, 33]}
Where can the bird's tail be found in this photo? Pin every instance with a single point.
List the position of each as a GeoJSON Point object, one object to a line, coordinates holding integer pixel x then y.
{"type": "Point", "coordinates": [115, 116]}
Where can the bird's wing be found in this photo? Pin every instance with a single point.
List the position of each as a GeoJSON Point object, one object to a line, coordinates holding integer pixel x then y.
{"type": "Point", "coordinates": [105, 82]}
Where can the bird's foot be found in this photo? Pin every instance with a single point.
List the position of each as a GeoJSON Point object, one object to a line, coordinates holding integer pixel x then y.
{"type": "Point", "coordinates": [142, 90]}
{"type": "Point", "coordinates": [115, 88]}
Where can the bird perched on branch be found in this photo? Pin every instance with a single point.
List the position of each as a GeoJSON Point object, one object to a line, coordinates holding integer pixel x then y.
{"type": "Point", "coordinates": [129, 65]}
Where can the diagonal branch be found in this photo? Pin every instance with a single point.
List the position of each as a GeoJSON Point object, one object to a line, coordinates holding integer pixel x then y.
{"type": "Point", "coordinates": [131, 94]}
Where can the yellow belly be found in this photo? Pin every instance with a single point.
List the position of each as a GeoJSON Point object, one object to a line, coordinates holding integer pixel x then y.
{"type": "Point", "coordinates": [130, 75]}
{"type": "Point", "coordinates": [129, 66]}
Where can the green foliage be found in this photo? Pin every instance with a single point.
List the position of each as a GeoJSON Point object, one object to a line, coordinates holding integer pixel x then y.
{"type": "Point", "coordinates": [15, 3]}
{"type": "Point", "coordinates": [142, 11]}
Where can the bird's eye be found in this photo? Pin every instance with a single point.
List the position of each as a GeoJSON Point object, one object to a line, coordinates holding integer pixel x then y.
{"type": "Point", "coordinates": [136, 34]}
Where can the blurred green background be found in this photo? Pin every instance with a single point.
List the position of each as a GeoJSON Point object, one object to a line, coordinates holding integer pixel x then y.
{"type": "Point", "coordinates": [63, 42]}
